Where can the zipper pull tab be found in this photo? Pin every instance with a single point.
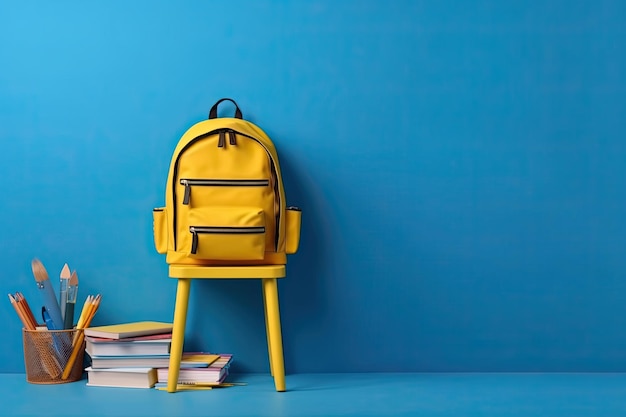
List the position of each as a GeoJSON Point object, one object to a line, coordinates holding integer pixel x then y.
{"type": "Point", "coordinates": [232, 138]}
{"type": "Point", "coordinates": [194, 240]}
{"type": "Point", "coordinates": [222, 139]}
{"type": "Point", "coordinates": [187, 196]}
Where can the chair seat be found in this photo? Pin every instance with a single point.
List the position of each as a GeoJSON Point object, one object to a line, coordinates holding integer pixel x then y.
{"type": "Point", "coordinates": [220, 271]}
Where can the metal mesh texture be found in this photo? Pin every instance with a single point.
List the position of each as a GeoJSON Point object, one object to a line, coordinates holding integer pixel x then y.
{"type": "Point", "coordinates": [46, 353]}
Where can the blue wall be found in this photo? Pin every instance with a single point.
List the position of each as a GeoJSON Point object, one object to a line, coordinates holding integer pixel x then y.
{"type": "Point", "coordinates": [461, 167]}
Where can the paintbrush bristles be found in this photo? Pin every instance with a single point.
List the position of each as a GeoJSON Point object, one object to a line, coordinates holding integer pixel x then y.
{"type": "Point", "coordinates": [39, 271]}
{"type": "Point", "coordinates": [74, 279]}
{"type": "Point", "coordinates": [65, 272]}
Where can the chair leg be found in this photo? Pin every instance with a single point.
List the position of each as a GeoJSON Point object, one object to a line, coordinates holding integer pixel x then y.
{"type": "Point", "coordinates": [178, 332]}
{"type": "Point", "coordinates": [270, 295]}
{"type": "Point", "coordinates": [267, 332]}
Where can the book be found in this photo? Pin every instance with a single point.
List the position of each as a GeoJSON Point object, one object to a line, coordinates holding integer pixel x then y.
{"type": "Point", "coordinates": [159, 336]}
{"type": "Point", "coordinates": [122, 377]}
{"type": "Point", "coordinates": [141, 345]}
{"type": "Point", "coordinates": [126, 330]}
{"type": "Point", "coordinates": [214, 374]}
{"type": "Point", "coordinates": [189, 360]}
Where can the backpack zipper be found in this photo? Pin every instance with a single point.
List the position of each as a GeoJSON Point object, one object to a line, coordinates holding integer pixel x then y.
{"type": "Point", "coordinates": [189, 182]}
{"type": "Point", "coordinates": [195, 230]}
{"type": "Point", "coordinates": [232, 138]}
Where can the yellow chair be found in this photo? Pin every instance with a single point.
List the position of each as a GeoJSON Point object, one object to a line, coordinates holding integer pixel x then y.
{"type": "Point", "coordinates": [267, 273]}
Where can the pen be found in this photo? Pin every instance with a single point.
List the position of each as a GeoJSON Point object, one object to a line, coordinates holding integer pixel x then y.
{"type": "Point", "coordinates": [55, 341]}
{"type": "Point", "coordinates": [46, 319]}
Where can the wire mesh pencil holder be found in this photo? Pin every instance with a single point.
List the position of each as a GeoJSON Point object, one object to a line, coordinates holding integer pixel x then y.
{"type": "Point", "coordinates": [46, 354]}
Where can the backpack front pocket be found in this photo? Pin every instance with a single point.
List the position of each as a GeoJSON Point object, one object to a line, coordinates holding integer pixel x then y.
{"type": "Point", "coordinates": [226, 233]}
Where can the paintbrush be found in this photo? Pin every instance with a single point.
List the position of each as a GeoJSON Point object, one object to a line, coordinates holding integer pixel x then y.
{"type": "Point", "coordinates": [63, 283]}
{"type": "Point", "coordinates": [47, 292]}
{"type": "Point", "coordinates": [72, 292]}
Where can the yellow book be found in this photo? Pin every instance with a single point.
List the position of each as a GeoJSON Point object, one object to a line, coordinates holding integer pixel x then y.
{"type": "Point", "coordinates": [126, 330]}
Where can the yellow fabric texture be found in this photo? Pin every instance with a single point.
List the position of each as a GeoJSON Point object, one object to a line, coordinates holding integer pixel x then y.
{"type": "Point", "coordinates": [224, 199]}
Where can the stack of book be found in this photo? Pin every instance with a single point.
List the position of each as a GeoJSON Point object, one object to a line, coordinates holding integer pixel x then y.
{"type": "Point", "coordinates": [213, 375]}
{"type": "Point", "coordinates": [130, 355]}
{"type": "Point", "coordinates": [127, 355]}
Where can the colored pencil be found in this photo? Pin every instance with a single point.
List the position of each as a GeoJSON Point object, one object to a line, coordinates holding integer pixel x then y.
{"type": "Point", "coordinates": [89, 311]}
{"type": "Point", "coordinates": [26, 308]}
{"type": "Point", "coordinates": [22, 315]}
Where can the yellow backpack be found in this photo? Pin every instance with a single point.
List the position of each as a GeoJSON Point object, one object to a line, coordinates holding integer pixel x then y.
{"type": "Point", "coordinates": [224, 198]}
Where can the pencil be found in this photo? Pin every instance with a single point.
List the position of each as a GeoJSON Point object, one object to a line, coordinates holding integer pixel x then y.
{"type": "Point", "coordinates": [81, 318]}
{"type": "Point", "coordinates": [92, 311]}
{"type": "Point", "coordinates": [89, 311]}
{"type": "Point", "coordinates": [51, 366]}
{"type": "Point", "coordinates": [20, 313]}
{"type": "Point", "coordinates": [188, 388]}
{"type": "Point", "coordinates": [83, 312]}
{"type": "Point", "coordinates": [28, 314]}
{"type": "Point", "coordinates": [15, 300]}
{"type": "Point", "coordinates": [19, 297]}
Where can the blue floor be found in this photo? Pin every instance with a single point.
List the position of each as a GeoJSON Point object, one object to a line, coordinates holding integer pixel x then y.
{"type": "Point", "coordinates": [552, 395]}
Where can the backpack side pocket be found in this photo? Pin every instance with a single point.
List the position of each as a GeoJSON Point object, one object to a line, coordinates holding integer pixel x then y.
{"type": "Point", "coordinates": [292, 229]}
{"type": "Point", "coordinates": [159, 225]}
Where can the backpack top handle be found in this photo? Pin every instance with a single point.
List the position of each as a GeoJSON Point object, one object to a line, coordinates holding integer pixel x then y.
{"type": "Point", "coordinates": [213, 111]}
